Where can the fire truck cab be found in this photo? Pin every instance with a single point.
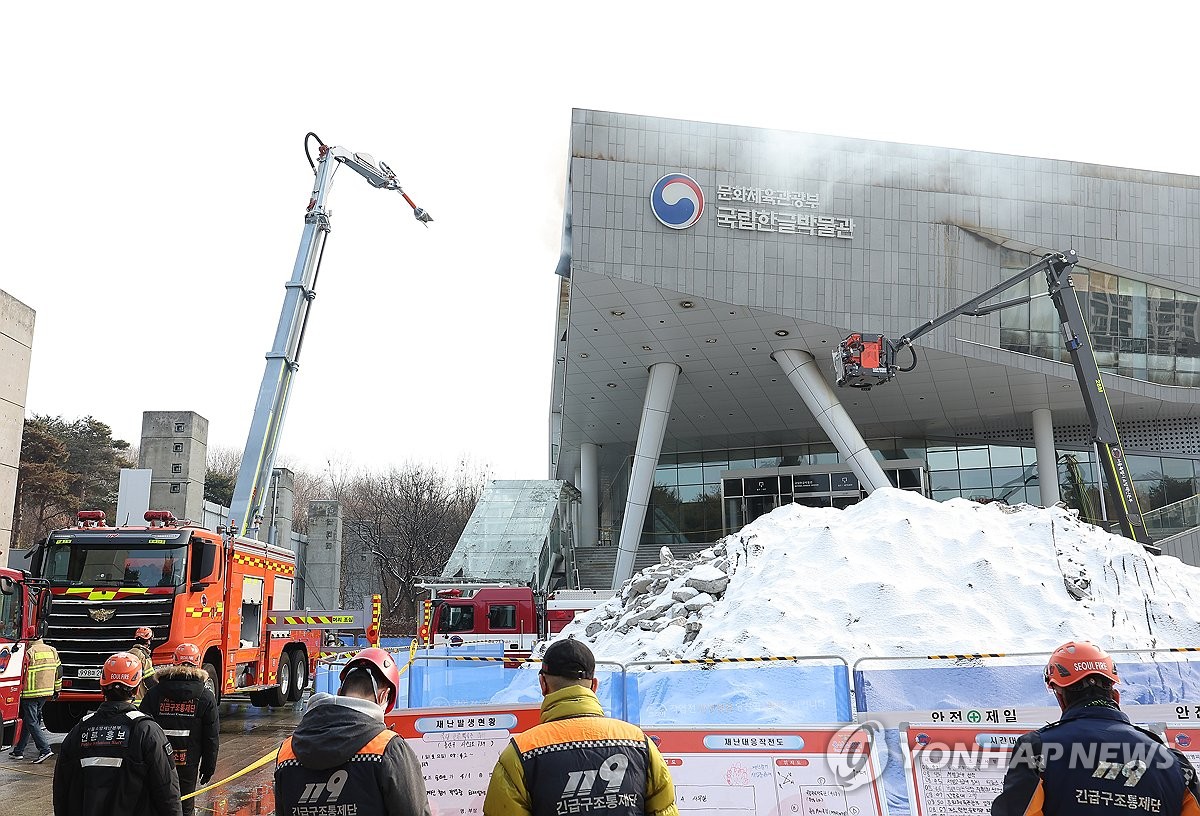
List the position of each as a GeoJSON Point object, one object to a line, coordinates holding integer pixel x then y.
{"type": "Point", "coordinates": [24, 604]}
{"type": "Point", "coordinates": [186, 584]}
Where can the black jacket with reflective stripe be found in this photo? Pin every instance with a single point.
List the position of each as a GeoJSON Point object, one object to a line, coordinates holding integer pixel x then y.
{"type": "Point", "coordinates": [116, 762]}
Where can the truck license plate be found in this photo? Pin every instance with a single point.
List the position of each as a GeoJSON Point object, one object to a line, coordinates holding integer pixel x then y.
{"type": "Point", "coordinates": [93, 674]}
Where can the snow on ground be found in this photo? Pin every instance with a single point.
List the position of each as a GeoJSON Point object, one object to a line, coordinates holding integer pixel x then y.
{"type": "Point", "coordinates": [899, 574]}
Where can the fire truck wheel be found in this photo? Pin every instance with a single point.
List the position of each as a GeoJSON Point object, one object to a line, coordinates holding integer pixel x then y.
{"type": "Point", "coordinates": [59, 718]}
{"type": "Point", "coordinates": [279, 695]}
{"type": "Point", "coordinates": [213, 683]}
{"type": "Point", "coordinates": [299, 675]}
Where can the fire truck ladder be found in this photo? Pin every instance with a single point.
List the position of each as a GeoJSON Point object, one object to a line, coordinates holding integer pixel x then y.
{"type": "Point", "coordinates": [365, 620]}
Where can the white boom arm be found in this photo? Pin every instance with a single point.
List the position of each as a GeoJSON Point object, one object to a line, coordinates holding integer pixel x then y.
{"type": "Point", "coordinates": [258, 458]}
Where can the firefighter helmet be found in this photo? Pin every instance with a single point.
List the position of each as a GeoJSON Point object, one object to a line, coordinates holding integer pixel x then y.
{"type": "Point", "coordinates": [383, 665]}
{"type": "Point", "coordinates": [1076, 660]}
{"type": "Point", "coordinates": [187, 654]}
{"type": "Point", "coordinates": [122, 669]}
{"type": "Point", "coordinates": [143, 633]}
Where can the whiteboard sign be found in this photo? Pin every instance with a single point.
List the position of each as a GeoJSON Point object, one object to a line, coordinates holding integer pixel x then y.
{"type": "Point", "coordinates": [458, 749]}
{"type": "Point", "coordinates": [956, 771]}
{"type": "Point", "coordinates": [773, 771]}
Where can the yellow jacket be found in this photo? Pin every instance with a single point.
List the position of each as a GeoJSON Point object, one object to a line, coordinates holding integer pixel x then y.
{"type": "Point", "coordinates": [573, 714]}
{"type": "Point", "coordinates": [43, 671]}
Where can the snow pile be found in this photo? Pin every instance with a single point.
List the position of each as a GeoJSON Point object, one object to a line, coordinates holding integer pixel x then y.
{"type": "Point", "coordinates": [899, 574]}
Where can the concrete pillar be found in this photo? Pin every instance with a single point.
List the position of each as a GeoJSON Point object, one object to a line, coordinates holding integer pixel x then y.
{"type": "Point", "coordinates": [276, 527]}
{"type": "Point", "coordinates": [809, 381]}
{"type": "Point", "coordinates": [323, 562]}
{"type": "Point", "coordinates": [656, 410]}
{"type": "Point", "coordinates": [589, 490]}
{"type": "Point", "coordinates": [1047, 456]}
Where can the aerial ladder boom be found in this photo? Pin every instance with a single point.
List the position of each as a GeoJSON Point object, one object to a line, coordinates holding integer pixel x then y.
{"type": "Point", "coordinates": [866, 360]}
{"type": "Point", "coordinates": [258, 458]}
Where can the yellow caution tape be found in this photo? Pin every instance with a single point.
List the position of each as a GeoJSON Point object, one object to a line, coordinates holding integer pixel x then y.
{"type": "Point", "coordinates": [254, 766]}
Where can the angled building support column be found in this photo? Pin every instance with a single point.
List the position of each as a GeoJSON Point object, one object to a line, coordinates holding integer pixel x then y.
{"type": "Point", "coordinates": [656, 410]}
{"type": "Point", "coordinates": [1047, 456]}
{"type": "Point", "coordinates": [589, 489]}
{"type": "Point", "coordinates": [809, 381]}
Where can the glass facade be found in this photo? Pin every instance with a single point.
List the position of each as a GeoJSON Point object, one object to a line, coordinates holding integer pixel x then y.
{"type": "Point", "coordinates": [1137, 329]}
{"type": "Point", "coordinates": [686, 502]}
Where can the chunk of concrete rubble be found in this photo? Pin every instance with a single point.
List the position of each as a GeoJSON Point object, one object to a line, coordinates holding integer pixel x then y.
{"type": "Point", "coordinates": [685, 594]}
{"type": "Point", "coordinates": [707, 578]}
{"type": "Point", "coordinates": [699, 602]}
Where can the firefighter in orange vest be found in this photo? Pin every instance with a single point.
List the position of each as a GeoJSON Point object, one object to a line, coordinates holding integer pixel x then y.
{"type": "Point", "coordinates": [539, 773]}
{"type": "Point", "coordinates": [342, 757]}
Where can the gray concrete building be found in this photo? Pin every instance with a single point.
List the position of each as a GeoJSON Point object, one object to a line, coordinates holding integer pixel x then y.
{"type": "Point", "coordinates": [174, 446]}
{"type": "Point", "coordinates": [16, 348]}
{"type": "Point", "coordinates": [709, 271]}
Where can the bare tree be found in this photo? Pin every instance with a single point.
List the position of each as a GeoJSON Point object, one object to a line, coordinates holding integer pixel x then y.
{"type": "Point", "coordinates": [405, 523]}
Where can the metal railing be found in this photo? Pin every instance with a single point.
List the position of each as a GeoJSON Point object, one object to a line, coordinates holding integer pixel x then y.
{"type": "Point", "coordinates": [1174, 518]}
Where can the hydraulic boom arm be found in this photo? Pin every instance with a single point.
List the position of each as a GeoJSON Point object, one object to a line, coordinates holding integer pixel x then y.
{"type": "Point", "coordinates": [863, 361]}
{"type": "Point", "coordinates": [283, 359]}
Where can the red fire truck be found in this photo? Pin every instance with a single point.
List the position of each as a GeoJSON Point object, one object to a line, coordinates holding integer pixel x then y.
{"type": "Point", "coordinates": [495, 612]}
{"type": "Point", "coordinates": [186, 584]}
{"type": "Point", "coordinates": [24, 604]}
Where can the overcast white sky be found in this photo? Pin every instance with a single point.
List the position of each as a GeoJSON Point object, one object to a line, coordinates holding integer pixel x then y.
{"type": "Point", "coordinates": [154, 178]}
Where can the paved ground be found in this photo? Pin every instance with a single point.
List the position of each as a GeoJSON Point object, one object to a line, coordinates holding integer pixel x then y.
{"type": "Point", "coordinates": [247, 733]}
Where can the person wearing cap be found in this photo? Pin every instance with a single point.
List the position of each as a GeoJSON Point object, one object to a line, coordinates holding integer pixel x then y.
{"type": "Point", "coordinates": [343, 758]}
{"type": "Point", "coordinates": [539, 771]}
{"type": "Point", "coordinates": [117, 761]}
{"type": "Point", "coordinates": [187, 712]}
{"type": "Point", "coordinates": [1093, 759]}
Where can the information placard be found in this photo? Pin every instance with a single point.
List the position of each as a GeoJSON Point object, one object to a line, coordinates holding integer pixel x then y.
{"type": "Point", "coordinates": [1186, 738]}
{"type": "Point", "coordinates": [956, 771]}
{"type": "Point", "coordinates": [773, 771]}
{"type": "Point", "coordinates": [458, 748]}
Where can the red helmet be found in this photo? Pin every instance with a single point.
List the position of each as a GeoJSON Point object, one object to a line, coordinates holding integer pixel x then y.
{"type": "Point", "coordinates": [143, 633]}
{"type": "Point", "coordinates": [1076, 660]}
{"type": "Point", "coordinates": [122, 669]}
{"type": "Point", "coordinates": [384, 666]}
{"type": "Point", "coordinates": [187, 654]}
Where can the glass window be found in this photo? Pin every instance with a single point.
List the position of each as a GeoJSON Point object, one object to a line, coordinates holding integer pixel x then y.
{"type": "Point", "coordinates": [687, 493]}
{"type": "Point", "coordinates": [973, 481]}
{"type": "Point", "coordinates": [768, 456]}
{"type": "Point", "coordinates": [942, 458]}
{"type": "Point", "coordinates": [1144, 467]}
{"type": "Point", "coordinates": [1103, 303]}
{"type": "Point", "coordinates": [10, 615]}
{"type": "Point", "coordinates": [944, 480]}
{"type": "Point", "coordinates": [1009, 477]}
{"type": "Point", "coordinates": [456, 619]}
{"type": "Point", "coordinates": [945, 495]}
{"type": "Point", "coordinates": [973, 458]}
{"type": "Point", "coordinates": [691, 474]}
{"type": "Point", "coordinates": [1177, 468]}
{"type": "Point", "coordinates": [502, 616]}
{"type": "Point", "coordinates": [1004, 456]}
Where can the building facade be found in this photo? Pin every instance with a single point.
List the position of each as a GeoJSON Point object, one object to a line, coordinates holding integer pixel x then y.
{"type": "Point", "coordinates": [16, 348]}
{"type": "Point", "coordinates": [709, 271]}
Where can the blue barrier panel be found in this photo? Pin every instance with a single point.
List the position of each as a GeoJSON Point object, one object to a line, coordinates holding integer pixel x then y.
{"type": "Point", "coordinates": [442, 676]}
{"type": "Point", "coordinates": [788, 691]}
{"type": "Point", "coordinates": [456, 679]}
